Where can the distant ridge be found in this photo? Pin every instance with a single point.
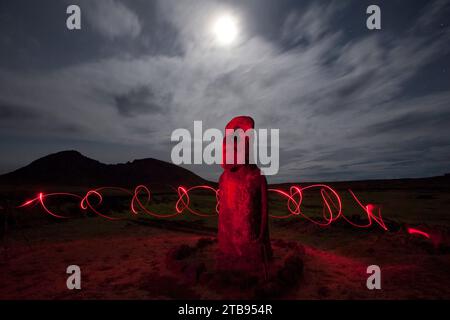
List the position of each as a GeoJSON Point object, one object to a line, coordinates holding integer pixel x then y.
{"type": "Point", "coordinates": [430, 183]}
{"type": "Point", "coordinates": [71, 168]}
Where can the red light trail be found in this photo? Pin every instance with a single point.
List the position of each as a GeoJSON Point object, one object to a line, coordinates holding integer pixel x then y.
{"type": "Point", "coordinates": [418, 232]}
{"type": "Point", "coordinates": [331, 199]}
{"type": "Point", "coordinates": [141, 198]}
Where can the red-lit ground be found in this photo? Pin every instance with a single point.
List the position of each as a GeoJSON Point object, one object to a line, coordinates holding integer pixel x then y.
{"type": "Point", "coordinates": [126, 260]}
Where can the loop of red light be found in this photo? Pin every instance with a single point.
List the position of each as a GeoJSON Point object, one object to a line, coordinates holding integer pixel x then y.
{"type": "Point", "coordinates": [295, 198]}
{"type": "Point", "coordinates": [136, 206]}
{"type": "Point", "coordinates": [141, 197]}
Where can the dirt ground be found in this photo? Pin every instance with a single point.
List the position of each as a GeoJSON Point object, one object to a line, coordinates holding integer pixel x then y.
{"type": "Point", "coordinates": [127, 260]}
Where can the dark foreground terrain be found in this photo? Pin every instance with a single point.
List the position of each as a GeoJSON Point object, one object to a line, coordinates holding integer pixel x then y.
{"type": "Point", "coordinates": [143, 257]}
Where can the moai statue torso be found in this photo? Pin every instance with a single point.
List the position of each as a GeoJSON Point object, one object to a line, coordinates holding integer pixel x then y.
{"type": "Point", "coordinates": [243, 230]}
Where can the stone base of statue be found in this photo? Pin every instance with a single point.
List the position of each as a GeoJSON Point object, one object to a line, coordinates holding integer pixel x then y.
{"type": "Point", "coordinates": [194, 267]}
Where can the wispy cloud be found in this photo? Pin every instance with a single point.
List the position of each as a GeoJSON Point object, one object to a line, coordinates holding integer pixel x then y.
{"type": "Point", "coordinates": [112, 18]}
{"type": "Point", "coordinates": [341, 104]}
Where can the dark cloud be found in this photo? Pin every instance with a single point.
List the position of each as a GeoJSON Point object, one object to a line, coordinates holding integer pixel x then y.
{"type": "Point", "coordinates": [13, 112]}
{"type": "Point", "coordinates": [142, 101]}
{"type": "Point", "coordinates": [413, 122]}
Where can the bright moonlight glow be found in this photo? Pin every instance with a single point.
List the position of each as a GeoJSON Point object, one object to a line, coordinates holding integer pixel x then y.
{"type": "Point", "coordinates": [225, 30]}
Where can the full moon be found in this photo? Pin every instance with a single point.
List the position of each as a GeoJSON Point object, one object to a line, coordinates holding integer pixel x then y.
{"type": "Point", "coordinates": [225, 30]}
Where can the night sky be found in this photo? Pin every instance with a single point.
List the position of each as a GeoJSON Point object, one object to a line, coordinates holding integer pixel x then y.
{"type": "Point", "coordinates": [350, 103]}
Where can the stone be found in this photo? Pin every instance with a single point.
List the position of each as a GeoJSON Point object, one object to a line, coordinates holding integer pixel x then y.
{"type": "Point", "coordinates": [243, 234]}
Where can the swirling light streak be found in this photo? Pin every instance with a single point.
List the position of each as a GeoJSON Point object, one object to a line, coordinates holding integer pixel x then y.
{"type": "Point", "coordinates": [294, 205]}
{"type": "Point", "coordinates": [181, 204]}
{"type": "Point", "coordinates": [40, 199]}
{"type": "Point", "coordinates": [332, 203]}
{"type": "Point", "coordinates": [418, 232]}
{"type": "Point", "coordinates": [369, 209]}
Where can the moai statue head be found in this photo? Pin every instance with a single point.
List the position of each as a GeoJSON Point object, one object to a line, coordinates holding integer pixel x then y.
{"type": "Point", "coordinates": [238, 139]}
{"type": "Point", "coordinates": [243, 233]}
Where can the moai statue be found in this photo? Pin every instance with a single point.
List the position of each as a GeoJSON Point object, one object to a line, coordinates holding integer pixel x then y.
{"type": "Point", "coordinates": [243, 234]}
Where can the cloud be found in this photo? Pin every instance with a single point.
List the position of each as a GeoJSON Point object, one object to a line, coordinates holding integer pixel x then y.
{"type": "Point", "coordinates": [305, 28]}
{"type": "Point", "coordinates": [342, 105]}
{"type": "Point", "coordinates": [142, 100]}
{"type": "Point", "coordinates": [112, 18]}
{"type": "Point", "coordinates": [15, 112]}
{"type": "Point", "coordinates": [418, 117]}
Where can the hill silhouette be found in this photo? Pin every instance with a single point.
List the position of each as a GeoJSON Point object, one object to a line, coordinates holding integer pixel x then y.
{"type": "Point", "coordinates": [71, 168]}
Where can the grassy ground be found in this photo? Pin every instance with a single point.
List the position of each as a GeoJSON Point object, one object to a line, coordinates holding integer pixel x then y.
{"type": "Point", "coordinates": [125, 259]}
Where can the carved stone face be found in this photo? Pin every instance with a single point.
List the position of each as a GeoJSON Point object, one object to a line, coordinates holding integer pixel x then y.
{"type": "Point", "coordinates": [239, 143]}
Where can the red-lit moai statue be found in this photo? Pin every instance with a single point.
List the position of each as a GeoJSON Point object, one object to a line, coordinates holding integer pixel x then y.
{"type": "Point", "coordinates": [243, 229]}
